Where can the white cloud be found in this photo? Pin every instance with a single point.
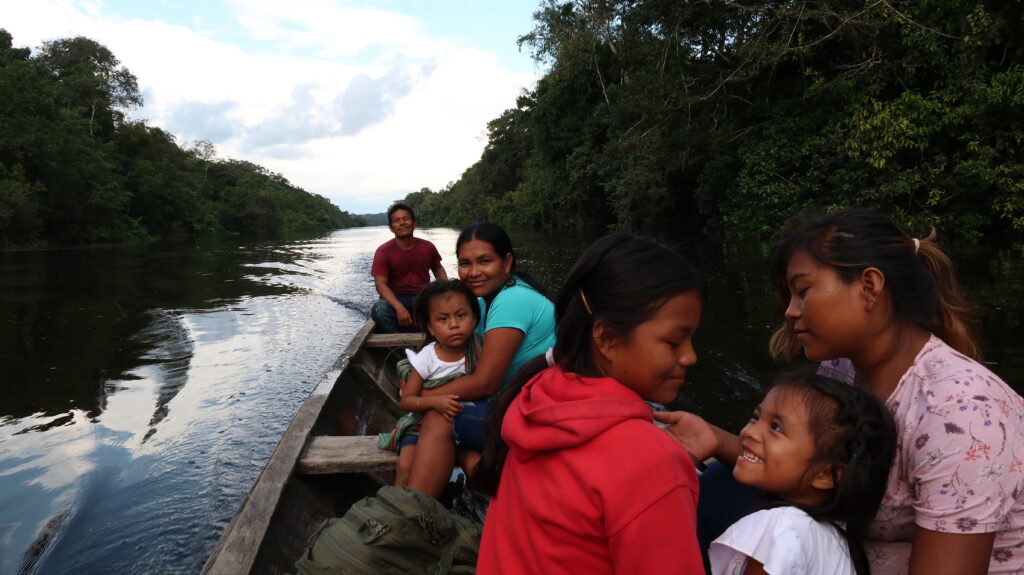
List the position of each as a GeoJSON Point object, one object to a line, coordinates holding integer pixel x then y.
{"type": "Point", "coordinates": [331, 28]}
{"type": "Point", "coordinates": [294, 96]}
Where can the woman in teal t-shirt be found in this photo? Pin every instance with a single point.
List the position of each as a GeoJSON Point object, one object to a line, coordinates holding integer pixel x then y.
{"type": "Point", "coordinates": [518, 324]}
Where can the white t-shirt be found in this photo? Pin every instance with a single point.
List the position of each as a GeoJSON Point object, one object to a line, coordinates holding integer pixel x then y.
{"type": "Point", "coordinates": [786, 541]}
{"type": "Point", "coordinates": [429, 366]}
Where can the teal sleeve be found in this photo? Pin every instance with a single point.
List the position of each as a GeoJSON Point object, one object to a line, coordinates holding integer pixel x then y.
{"type": "Point", "coordinates": [525, 309]}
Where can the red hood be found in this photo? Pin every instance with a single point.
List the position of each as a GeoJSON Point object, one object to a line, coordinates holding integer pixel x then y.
{"type": "Point", "coordinates": [556, 410]}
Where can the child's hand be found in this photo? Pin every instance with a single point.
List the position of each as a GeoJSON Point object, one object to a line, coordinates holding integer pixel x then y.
{"type": "Point", "coordinates": [447, 405]}
{"type": "Point", "coordinates": [401, 387]}
{"type": "Point", "coordinates": [691, 430]}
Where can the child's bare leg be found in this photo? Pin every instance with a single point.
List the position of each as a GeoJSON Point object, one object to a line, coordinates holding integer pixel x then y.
{"type": "Point", "coordinates": [404, 465]}
{"type": "Point", "coordinates": [432, 468]}
{"type": "Point", "coordinates": [468, 459]}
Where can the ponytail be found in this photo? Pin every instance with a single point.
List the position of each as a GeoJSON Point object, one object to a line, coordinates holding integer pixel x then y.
{"type": "Point", "coordinates": [492, 460]}
{"type": "Point", "coordinates": [956, 323]}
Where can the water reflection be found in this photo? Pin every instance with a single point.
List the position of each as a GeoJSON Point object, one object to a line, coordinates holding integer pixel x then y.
{"type": "Point", "coordinates": [82, 315]}
{"type": "Point", "coordinates": [144, 388]}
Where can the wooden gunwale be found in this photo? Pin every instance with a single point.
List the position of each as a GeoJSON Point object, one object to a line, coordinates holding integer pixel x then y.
{"type": "Point", "coordinates": [239, 548]}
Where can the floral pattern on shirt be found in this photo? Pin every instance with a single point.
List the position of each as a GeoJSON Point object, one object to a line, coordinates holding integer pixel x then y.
{"type": "Point", "coordinates": [959, 464]}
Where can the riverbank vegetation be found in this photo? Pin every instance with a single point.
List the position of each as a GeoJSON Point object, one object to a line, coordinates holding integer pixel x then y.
{"type": "Point", "coordinates": [75, 170]}
{"type": "Point", "coordinates": [722, 119]}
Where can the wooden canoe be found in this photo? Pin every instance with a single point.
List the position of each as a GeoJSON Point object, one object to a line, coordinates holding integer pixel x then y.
{"type": "Point", "coordinates": [326, 460]}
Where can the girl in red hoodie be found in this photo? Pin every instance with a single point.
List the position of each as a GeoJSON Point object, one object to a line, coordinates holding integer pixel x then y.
{"type": "Point", "coordinates": [583, 481]}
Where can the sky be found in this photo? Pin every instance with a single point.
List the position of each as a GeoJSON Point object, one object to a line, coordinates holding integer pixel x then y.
{"type": "Point", "coordinates": [360, 101]}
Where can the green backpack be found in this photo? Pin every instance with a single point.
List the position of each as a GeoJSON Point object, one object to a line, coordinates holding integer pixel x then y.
{"type": "Point", "coordinates": [399, 531]}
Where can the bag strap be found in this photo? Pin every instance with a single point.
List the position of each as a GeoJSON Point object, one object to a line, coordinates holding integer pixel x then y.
{"type": "Point", "coordinates": [444, 566]}
{"type": "Point", "coordinates": [473, 352]}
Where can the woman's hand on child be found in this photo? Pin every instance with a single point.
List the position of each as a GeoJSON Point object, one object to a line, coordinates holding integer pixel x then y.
{"type": "Point", "coordinates": [695, 434]}
{"type": "Point", "coordinates": [447, 405]}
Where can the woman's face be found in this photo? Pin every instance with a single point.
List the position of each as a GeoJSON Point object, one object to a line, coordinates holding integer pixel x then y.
{"type": "Point", "coordinates": [481, 268]}
{"type": "Point", "coordinates": [828, 316]}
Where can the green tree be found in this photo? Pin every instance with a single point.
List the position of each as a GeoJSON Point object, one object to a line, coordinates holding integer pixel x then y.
{"type": "Point", "coordinates": [725, 118]}
{"type": "Point", "coordinates": [74, 169]}
{"type": "Point", "coordinates": [96, 84]}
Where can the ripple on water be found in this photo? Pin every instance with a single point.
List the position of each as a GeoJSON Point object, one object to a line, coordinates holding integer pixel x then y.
{"type": "Point", "coordinates": [147, 481]}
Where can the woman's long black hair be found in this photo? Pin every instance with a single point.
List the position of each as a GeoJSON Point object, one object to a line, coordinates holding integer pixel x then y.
{"type": "Point", "coordinates": [853, 432]}
{"type": "Point", "coordinates": [623, 279]}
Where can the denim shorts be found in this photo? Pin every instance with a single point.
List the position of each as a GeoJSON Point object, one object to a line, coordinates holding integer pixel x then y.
{"type": "Point", "coordinates": [407, 440]}
{"type": "Point", "coordinates": [468, 427]}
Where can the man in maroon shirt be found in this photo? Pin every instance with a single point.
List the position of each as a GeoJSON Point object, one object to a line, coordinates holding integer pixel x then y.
{"type": "Point", "coordinates": [400, 270]}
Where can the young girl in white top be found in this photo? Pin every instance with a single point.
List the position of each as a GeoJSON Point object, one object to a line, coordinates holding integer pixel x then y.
{"type": "Point", "coordinates": [447, 311]}
{"type": "Point", "coordinates": [823, 449]}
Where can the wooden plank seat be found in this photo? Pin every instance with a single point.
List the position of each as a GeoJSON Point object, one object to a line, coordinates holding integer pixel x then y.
{"type": "Point", "coordinates": [394, 339]}
{"type": "Point", "coordinates": [345, 454]}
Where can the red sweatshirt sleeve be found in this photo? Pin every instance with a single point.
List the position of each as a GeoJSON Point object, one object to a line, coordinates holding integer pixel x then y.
{"type": "Point", "coordinates": [661, 538]}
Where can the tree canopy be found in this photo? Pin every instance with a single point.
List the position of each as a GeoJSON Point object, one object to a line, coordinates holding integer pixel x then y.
{"type": "Point", "coordinates": [74, 169]}
{"type": "Point", "coordinates": [722, 119]}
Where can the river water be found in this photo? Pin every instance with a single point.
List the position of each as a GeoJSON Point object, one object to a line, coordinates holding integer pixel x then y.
{"type": "Point", "coordinates": [144, 388]}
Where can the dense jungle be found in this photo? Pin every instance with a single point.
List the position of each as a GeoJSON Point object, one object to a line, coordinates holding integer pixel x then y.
{"type": "Point", "coordinates": [74, 169]}
{"type": "Point", "coordinates": [722, 119]}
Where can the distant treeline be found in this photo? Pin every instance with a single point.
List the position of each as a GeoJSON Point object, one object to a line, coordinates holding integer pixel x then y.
{"type": "Point", "coordinates": [74, 170]}
{"type": "Point", "coordinates": [380, 219]}
{"type": "Point", "coordinates": [721, 119]}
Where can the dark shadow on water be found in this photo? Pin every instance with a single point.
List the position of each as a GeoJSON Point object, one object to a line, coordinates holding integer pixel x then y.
{"type": "Point", "coordinates": [71, 320]}
{"type": "Point", "coordinates": [42, 542]}
{"type": "Point", "coordinates": [171, 350]}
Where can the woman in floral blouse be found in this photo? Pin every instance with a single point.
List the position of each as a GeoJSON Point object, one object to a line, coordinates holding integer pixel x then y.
{"type": "Point", "coordinates": [883, 311]}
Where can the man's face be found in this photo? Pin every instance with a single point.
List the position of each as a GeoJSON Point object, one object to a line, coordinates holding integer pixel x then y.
{"type": "Point", "coordinates": [402, 224]}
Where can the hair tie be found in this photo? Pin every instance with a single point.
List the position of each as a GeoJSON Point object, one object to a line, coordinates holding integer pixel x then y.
{"type": "Point", "coordinates": [550, 356]}
{"type": "Point", "coordinates": [917, 245]}
{"type": "Point", "coordinates": [586, 304]}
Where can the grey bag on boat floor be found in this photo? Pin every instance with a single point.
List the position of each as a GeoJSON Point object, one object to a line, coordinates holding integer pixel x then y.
{"type": "Point", "coordinates": [399, 531]}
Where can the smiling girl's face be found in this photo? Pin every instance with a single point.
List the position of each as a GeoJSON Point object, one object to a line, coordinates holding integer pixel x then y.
{"type": "Point", "coordinates": [778, 450]}
{"type": "Point", "coordinates": [653, 359]}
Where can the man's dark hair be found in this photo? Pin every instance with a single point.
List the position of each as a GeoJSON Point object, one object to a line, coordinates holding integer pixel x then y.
{"type": "Point", "coordinates": [400, 206]}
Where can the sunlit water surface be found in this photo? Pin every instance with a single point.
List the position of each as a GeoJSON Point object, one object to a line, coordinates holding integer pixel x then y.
{"type": "Point", "coordinates": [144, 388]}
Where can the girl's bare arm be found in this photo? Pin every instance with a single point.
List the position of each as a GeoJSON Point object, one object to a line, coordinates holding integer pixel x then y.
{"type": "Point", "coordinates": [411, 398]}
